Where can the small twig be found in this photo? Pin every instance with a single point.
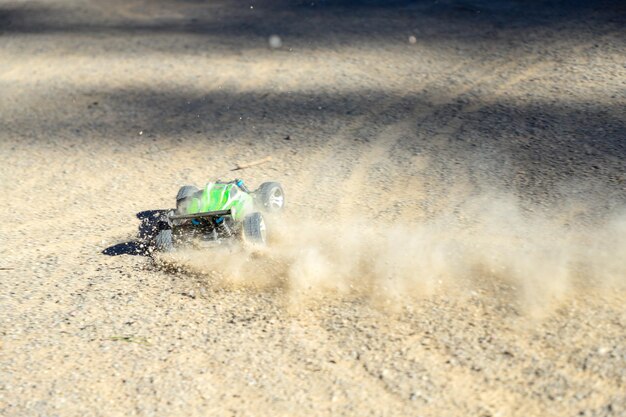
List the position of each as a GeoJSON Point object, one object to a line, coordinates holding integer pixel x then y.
{"type": "Point", "coordinates": [251, 164]}
{"type": "Point", "coordinates": [6, 269]}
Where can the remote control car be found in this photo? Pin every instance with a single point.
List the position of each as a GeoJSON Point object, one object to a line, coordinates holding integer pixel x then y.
{"type": "Point", "coordinates": [219, 211]}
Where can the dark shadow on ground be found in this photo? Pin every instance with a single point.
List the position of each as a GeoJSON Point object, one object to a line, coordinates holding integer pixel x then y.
{"type": "Point", "coordinates": [313, 23]}
{"type": "Point", "coordinates": [133, 248]}
{"type": "Point", "coordinates": [591, 129]}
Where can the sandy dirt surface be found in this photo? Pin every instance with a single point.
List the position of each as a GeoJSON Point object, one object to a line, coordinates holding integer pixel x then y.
{"type": "Point", "coordinates": [455, 240]}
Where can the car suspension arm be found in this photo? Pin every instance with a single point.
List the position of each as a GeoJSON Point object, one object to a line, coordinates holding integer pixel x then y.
{"type": "Point", "coordinates": [217, 213]}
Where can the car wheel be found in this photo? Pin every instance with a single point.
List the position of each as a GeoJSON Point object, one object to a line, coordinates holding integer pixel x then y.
{"type": "Point", "coordinates": [163, 241]}
{"type": "Point", "coordinates": [271, 197]}
{"type": "Point", "coordinates": [183, 197]}
{"type": "Point", "coordinates": [254, 230]}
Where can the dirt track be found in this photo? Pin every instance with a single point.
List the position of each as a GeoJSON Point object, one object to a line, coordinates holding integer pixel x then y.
{"type": "Point", "coordinates": [494, 136]}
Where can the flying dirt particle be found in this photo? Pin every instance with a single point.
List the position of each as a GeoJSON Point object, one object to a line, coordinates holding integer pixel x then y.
{"type": "Point", "coordinates": [275, 42]}
{"type": "Point", "coordinates": [412, 40]}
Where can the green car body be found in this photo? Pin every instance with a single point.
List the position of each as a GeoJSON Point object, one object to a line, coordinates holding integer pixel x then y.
{"type": "Point", "coordinates": [221, 196]}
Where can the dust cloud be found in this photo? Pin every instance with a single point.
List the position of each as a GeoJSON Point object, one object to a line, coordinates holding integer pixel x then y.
{"type": "Point", "coordinates": [489, 243]}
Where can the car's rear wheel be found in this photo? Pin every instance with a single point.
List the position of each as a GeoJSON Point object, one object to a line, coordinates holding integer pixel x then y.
{"type": "Point", "coordinates": [271, 197]}
{"type": "Point", "coordinates": [163, 241]}
{"type": "Point", "coordinates": [254, 229]}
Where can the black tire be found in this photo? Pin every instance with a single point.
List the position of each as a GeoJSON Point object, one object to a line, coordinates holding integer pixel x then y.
{"type": "Point", "coordinates": [182, 198]}
{"type": "Point", "coordinates": [270, 197]}
{"type": "Point", "coordinates": [254, 229]}
{"type": "Point", "coordinates": [163, 241]}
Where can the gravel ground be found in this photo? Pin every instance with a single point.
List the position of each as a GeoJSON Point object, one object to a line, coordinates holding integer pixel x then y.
{"type": "Point", "coordinates": [456, 232]}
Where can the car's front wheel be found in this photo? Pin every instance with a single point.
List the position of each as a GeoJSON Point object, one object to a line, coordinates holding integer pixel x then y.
{"type": "Point", "coordinates": [271, 197]}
